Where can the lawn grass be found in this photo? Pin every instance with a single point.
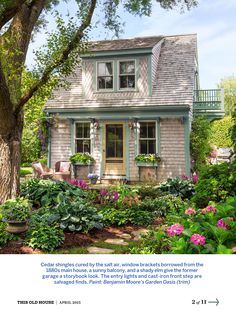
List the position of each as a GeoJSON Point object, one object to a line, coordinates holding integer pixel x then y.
{"type": "Point", "coordinates": [25, 171]}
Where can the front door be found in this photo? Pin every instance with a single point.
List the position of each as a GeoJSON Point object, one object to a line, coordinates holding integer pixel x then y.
{"type": "Point", "coordinates": [114, 149]}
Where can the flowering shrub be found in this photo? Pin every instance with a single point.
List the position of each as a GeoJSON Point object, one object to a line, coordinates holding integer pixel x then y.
{"type": "Point", "coordinates": [80, 183]}
{"type": "Point", "coordinates": [107, 197]}
{"type": "Point", "coordinates": [190, 211]}
{"type": "Point", "coordinates": [198, 239]}
{"type": "Point", "coordinates": [202, 232]}
{"type": "Point", "coordinates": [175, 229]}
{"type": "Point", "coordinates": [221, 223]}
{"type": "Point", "coordinates": [209, 209]}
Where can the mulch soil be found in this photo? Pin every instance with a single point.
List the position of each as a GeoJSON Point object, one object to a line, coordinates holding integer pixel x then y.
{"type": "Point", "coordinates": [71, 240]}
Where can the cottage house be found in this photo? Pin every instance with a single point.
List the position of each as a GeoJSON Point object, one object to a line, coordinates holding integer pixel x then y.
{"type": "Point", "coordinates": [129, 97]}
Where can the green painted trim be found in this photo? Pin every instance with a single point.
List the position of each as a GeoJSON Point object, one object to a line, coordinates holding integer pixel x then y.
{"type": "Point", "coordinates": [94, 76]}
{"type": "Point", "coordinates": [49, 162]}
{"type": "Point", "coordinates": [149, 75]}
{"type": "Point", "coordinates": [113, 53]}
{"type": "Point", "coordinates": [187, 145]}
{"type": "Point", "coordinates": [134, 109]}
{"type": "Point", "coordinates": [72, 136]}
{"type": "Point", "coordinates": [127, 137]}
{"type": "Point", "coordinates": [158, 136]}
{"type": "Point", "coordinates": [101, 130]}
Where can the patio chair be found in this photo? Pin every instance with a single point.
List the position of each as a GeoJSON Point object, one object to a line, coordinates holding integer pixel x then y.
{"type": "Point", "coordinates": [62, 170]}
{"type": "Point", "coordinates": [42, 171]}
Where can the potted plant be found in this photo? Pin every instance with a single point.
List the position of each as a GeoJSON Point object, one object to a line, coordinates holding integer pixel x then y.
{"type": "Point", "coordinates": [82, 159]}
{"type": "Point", "coordinates": [93, 177]}
{"type": "Point", "coordinates": [147, 160]}
{"type": "Point", "coordinates": [16, 212]}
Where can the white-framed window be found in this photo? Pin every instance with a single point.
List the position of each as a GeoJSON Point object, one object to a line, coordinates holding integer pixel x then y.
{"type": "Point", "coordinates": [82, 137]}
{"type": "Point", "coordinates": [127, 74]}
{"type": "Point", "coordinates": [105, 75]}
{"type": "Point", "coordinates": [147, 137]}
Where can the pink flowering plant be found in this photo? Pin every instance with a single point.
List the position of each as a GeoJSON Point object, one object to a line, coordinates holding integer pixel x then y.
{"type": "Point", "coordinates": [203, 231]}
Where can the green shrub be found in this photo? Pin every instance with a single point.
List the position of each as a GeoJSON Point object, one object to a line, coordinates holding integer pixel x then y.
{"type": "Point", "coordinates": [199, 141]}
{"type": "Point", "coordinates": [216, 183]}
{"type": "Point", "coordinates": [119, 217]}
{"type": "Point", "coordinates": [16, 209]}
{"type": "Point", "coordinates": [150, 191]}
{"type": "Point", "coordinates": [219, 134]}
{"type": "Point", "coordinates": [76, 215]}
{"type": "Point", "coordinates": [162, 205]}
{"type": "Point", "coordinates": [44, 237]}
{"type": "Point", "coordinates": [155, 242]}
{"type": "Point", "coordinates": [45, 192]}
{"type": "Point", "coordinates": [178, 187]}
{"type": "Point", "coordinates": [4, 235]}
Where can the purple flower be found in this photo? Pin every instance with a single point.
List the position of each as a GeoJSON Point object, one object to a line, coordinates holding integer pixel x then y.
{"type": "Point", "coordinates": [194, 178]}
{"type": "Point", "coordinates": [115, 195]}
{"type": "Point", "coordinates": [103, 192]}
{"type": "Point", "coordinates": [175, 229]}
{"type": "Point", "coordinates": [184, 177]}
{"type": "Point", "coordinates": [198, 239]}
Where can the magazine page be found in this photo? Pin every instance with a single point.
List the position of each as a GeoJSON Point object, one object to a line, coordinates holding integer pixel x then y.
{"type": "Point", "coordinates": [117, 156]}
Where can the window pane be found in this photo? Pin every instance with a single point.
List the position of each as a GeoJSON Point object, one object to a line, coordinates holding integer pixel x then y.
{"type": "Point", "coordinates": [123, 82]}
{"type": "Point", "coordinates": [130, 67]}
{"type": "Point", "coordinates": [79, 130]}
{"type": "Point", "coordinates": [122, 67]}
{"type": "Point", "coordinates": [101, 69]}
{"type": "Point", "coordinates": [101, 83]}
{"type": "Point", "coordinates": [108, 68]}
{"type": "Point", "coordinates": [109, 82]}
{"type": "Point", "coordinates": [86, 145]}
{"type": "Point", "coordinates": [131, 81]}
{"type": "Point", "coordinates": [143, 147]}
{"type": "Point", "coordinates": [151, 146]}
{"type": "Point", "coordinates": [86, 130]}
{"type": "Point", "coordinates": [110, 153]}
{"type": "Point", "coordinates": [79, 146]}
{"type": "Point", "coordinates": [151, 130]}
{"type": "Point", "coordinates": [143, 130]}
{"type": "Point", "coordinates": [127, 67]}
{"type": "Point", "coordinates": [119, 149]}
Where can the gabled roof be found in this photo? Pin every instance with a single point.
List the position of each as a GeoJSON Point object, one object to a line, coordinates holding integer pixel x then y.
{"type": "Point", "coordinates": [124, 44]}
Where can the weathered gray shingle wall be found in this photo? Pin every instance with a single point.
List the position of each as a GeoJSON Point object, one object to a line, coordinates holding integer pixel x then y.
{"type": "Point", "coordinates": [172, 149]}
{"type": "Point", "coordinates": [60, 142]}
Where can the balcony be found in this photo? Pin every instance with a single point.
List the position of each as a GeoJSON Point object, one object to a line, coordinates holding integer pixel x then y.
{"type": "Point", "coordinates": [209, 102]}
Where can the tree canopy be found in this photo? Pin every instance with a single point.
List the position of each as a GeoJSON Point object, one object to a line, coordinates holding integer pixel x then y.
{"type": "Point", "coordinates": [229, 86]}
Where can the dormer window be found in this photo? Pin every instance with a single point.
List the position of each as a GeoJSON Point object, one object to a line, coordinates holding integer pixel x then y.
{"type": "Point", "coordinates": [127, 74]}
{"type": "Point", "coordinates": [105, 75]}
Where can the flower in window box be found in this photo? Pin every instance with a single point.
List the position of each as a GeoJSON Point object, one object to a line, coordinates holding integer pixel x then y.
{"type": "Point", "coordinates": [148, 159]}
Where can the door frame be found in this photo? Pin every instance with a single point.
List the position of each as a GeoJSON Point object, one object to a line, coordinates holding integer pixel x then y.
{"type": "Point", "coordinates": [111, 122]}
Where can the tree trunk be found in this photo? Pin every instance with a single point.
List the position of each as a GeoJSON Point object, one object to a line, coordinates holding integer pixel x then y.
{"type": "Point", "coordinates": [10, 160]}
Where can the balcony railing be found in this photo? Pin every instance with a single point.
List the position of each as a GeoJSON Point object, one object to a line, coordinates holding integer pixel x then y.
{"type": "Point", "coordinates": [208, 100]}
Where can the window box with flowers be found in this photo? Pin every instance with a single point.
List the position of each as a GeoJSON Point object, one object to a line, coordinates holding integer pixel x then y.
{"type": "Point", "coordinates": [147, 160]}
{"type": "Point", "coordinates": [82, 165]}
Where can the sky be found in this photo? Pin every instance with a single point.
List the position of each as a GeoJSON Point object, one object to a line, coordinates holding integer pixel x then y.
{"type": "Point", "coordinates": [214, 21]}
